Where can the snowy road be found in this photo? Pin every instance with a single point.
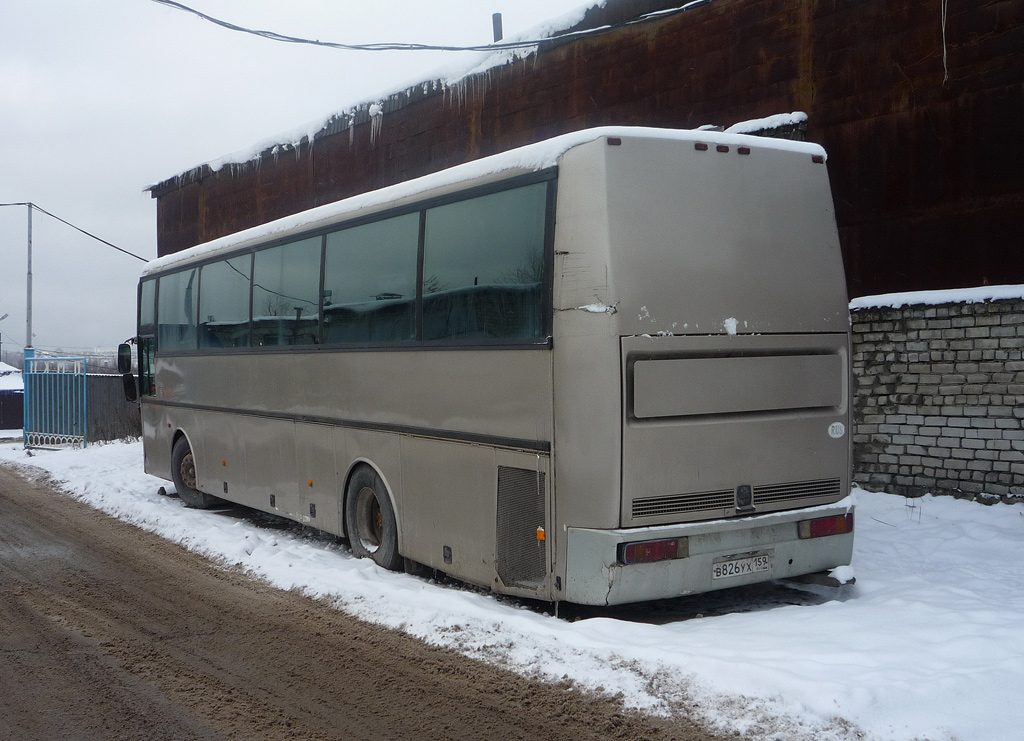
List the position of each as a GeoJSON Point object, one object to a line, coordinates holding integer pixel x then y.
{"type": "Point", "coordinates": [110, 632]}
{"type": "Point", "coordinates": [929, 644]}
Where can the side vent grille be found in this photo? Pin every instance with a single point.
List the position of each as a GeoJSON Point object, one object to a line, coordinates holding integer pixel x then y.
{"type": "Point", "coordinates": [796, 490]}
{"type": "Point", "coordinates": [678, 503]}
{"type": "Point", "coordinates": [520, 555]}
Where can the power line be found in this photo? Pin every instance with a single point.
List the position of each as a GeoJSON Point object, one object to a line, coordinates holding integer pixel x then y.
{"type": "Point", "coordinates": [274, 36]}
{"type": "Point", "coordinates": [77, 228]}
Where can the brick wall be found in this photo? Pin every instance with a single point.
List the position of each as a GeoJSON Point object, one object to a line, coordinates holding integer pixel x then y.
{"type": "Point", "coordinates": [939, 399]}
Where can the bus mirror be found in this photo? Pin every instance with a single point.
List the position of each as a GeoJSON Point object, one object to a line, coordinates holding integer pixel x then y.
{"type": "Point", "coordinates": [124, 358]}
{"type": "Point", "coordinates": [131, 393]}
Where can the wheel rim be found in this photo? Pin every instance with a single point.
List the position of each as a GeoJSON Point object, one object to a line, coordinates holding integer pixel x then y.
{"type": "Point", "coordinates": [188, 470]}
{"type": "Point", "coordinates": [369, 519]}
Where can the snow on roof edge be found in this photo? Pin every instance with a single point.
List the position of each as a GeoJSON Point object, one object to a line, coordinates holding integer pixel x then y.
{"type": "Point", "coordinates": [532, 157]}
{"type": "Point", "coordinates": [770, 122]}
{"type": "Point", "coordinates": [442, 79]}
{"type": "Point", "coordinates": [977, 295]}
{"type": "Point", "coordinates": [10, 378]}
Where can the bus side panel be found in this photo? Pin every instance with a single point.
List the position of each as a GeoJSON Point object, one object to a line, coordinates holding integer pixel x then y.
{"type": "Point", "coordinates": [270, 467]}
{"type": "Point", "coordinates": [156, 442]}
{"type": "Point", "coordinates": [449, 495]}
{"type": "Point", "coordinates": [585, 354]}
{"type": "Point", "coordinates": [482, 514]}
{"type": "Point", "coordinates": [321, 486]}
{"type": "Point", "coordinates": [169, 421]}
{"type": "Point", "coordinates": [220, 465]}
{"type": "Point", "coordinates": [497, 392]}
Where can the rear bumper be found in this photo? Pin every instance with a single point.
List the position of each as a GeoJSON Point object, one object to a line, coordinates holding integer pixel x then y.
{"type": "Point", "coordinates": [595, 577]}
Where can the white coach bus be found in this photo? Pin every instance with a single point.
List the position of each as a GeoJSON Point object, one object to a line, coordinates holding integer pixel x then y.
{"type": "Point", "coordinates": [608, 367]}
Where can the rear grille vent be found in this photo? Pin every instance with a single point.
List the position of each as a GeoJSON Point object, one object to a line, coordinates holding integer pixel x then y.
{"type": "Point", "coordinates": [520, 555]}
{"type": "Point", "coordinates": [706, 501]}
{"type": "Point", "coordinates": [678, 503]}
{"type": "Point", "coordinates": [796, 490]}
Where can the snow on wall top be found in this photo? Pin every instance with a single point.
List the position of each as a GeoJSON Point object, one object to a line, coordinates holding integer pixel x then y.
{"type": "Point", "coordinates": [934, 298]}
{"type": "Point", "coordinates": [531, 157]}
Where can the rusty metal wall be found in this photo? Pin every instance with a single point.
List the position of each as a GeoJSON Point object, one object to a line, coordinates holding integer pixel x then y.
{"type": "Point", "coordinates": [923, 135]}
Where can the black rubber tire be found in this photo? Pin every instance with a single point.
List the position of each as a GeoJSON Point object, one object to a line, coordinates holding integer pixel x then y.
{"type": "Point", "coordinates": [183, 474]}
{"type": "Point", "coordinates": [370, 520]}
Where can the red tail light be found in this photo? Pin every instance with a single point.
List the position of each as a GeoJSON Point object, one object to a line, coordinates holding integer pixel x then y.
{"type": "Point", "coordinates": [653, 550]}
{"type": "Point", "coordinates": [822, 526]}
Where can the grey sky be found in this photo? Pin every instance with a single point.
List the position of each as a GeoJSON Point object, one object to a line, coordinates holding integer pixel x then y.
{"type": "Point", "coordinates": [99, 100]}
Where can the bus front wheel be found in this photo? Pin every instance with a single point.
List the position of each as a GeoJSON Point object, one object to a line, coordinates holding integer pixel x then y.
{"type": "Point", "coordinates": [370, 520]}
{"type": "Point", "coordinates": [183, 474]}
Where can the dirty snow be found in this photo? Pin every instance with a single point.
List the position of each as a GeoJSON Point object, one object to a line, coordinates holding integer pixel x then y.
{"type": "Point", "coordinates": [929, 644]}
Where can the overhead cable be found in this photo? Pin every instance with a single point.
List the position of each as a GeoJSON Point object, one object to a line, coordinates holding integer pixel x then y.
{"type": "Point", "coordinates": [274, 36]}
{"type": "Point", "coordinates": [77, 228]}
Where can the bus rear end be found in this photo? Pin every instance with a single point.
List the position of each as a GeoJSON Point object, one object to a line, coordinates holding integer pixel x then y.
{"type": "Point", "coordinates": [703, 292]}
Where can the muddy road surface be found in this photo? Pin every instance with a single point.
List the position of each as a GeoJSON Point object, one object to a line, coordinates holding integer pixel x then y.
{"type": "Point", "coordinates": [108, 632]}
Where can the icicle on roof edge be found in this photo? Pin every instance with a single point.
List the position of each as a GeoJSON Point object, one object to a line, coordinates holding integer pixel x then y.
{"type": "Point", "coordinates": [443, 80]}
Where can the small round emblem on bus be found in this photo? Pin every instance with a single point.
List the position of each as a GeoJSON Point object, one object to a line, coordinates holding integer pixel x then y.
{"type": "Point", "coordinates": [836, 430]}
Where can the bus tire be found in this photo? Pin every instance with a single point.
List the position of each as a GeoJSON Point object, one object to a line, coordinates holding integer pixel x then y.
{"type": "Point", "coordinates": [183, 474]}
{"type": "Point", "coordinates": [370, 520]}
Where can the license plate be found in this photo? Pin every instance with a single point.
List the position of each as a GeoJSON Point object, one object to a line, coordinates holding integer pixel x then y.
{"type": "Point", "coordinates": [740, 566]}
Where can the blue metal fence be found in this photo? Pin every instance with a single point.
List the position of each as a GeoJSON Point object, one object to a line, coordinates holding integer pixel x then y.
{"type": "Point", "coordinates": [55, 402]}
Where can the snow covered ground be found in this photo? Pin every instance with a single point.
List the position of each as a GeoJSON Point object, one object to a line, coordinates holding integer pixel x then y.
{"type": "Point", "coordinates": [929, 644]}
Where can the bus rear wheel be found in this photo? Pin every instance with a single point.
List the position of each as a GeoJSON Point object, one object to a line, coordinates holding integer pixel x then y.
{"type": "Point", "coordinates": [370, 520]}
{"type": "Point", "coordinates": [183, 474]}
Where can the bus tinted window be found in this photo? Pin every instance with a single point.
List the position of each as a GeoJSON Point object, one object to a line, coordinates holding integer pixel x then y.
{"type": "Point", "coordinates": [224, 303]}
{"type": "Point", "coordinates": [177, 311]}
{"type": "Point", "coordinates": [286, 281]}
{"type": "Point", "coordinates": [483, 267]}
{"type": "Point", "coordinates": [147, 308]}
{"type": "Point", "coordinates": [370, 282]}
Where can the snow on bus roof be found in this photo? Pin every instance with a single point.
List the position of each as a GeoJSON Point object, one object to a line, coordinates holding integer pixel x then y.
{"type": "Point", "coordinates": [531, 157]}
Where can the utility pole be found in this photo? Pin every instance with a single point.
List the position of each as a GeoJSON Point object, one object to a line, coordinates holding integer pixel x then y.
{"type": "Point", "coordinates": [29, 350]}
